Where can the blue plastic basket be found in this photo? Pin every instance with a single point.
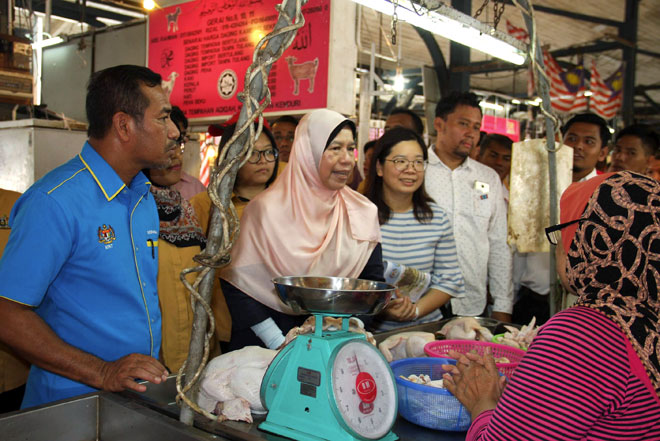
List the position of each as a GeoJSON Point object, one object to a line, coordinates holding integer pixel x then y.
{"type": "Point", "coordinates": [428, 406]}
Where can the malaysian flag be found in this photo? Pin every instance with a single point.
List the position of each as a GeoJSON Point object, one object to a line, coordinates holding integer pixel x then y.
{"type": "Point", "coordinates": [516, 32]}
{"type": "Point", "coordinates": [566, 87]}
{"type": "Point", "coordinates": [607, 97]}
{"type": "Point", "coordinates": [206, 154]}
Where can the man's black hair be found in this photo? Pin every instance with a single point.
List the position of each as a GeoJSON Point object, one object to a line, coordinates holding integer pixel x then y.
{"type": "Point", "coordinates": [369, 145]}
{"type": "Point", "coordinates": [417, 121]}
{"type": "Point", "coordinates": [450, 102]}
{"type": "Point", "coordinates": [178, 117]}
{"type": "Point", "coordinates": [590, 118]}
{"type": "Point", "coordinates": [285, 119]}
{"type": "Point", "coordinates": [646, 134]}
{"type": "Point", "coordinates": [117, 89]}
{"type": "Point", "coordinates": [496, 138]}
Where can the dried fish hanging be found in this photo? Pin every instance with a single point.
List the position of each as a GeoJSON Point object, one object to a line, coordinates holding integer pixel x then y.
{"type": "Point", "coordinates": [224, 226]}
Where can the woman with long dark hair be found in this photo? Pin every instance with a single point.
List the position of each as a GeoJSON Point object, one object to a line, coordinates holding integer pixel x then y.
{"type": "Point", "coordinates": [417, 239]}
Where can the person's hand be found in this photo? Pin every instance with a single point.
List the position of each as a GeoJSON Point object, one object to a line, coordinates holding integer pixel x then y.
{"type": "Point", "coordinates": [474, 381]}
{"type": "Point", "coordinates": [401, 309]}
{"type": "Point", "coordinates": [121, 374]}
{"type": "Point", "coordinates": [501, 316]}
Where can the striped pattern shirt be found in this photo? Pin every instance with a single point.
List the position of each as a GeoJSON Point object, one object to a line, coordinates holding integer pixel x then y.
{"type": "Point", "coordinates": [428, 247]}
{"type": "Point", "coordinates": [581, 379]}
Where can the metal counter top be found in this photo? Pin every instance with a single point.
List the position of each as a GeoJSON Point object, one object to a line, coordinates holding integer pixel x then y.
{"type": "Point", "coordinates": [161, 398]}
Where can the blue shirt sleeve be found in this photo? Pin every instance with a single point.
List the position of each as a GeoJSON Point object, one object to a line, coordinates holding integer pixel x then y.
{"type": "Point", "coordinates": [40, 242]}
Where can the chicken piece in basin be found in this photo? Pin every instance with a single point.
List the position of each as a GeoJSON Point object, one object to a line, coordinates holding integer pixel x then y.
{"type": "Point", "coordinates": [405, 345]}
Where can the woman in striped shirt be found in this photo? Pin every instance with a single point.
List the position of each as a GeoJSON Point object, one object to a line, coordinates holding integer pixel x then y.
{"type": "Point", "coordinates": [416, 233]}
{"type": "Point", "coordinates": [593, 371]}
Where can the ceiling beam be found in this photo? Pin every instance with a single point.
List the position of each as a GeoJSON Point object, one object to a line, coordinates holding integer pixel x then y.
{"type": "Point", "coordinates": [73, 11]}
{"type": "Point", "coordinates": [651, 102]}
{"type": "Point", "coordinates": [575, 15]}
{"type": "Point", "coordinates": [649, 53]}
{"type": "Point", "coordinates": [600, 46]}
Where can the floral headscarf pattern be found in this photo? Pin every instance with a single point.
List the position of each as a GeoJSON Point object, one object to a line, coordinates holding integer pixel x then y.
{"type": "Point", "coordinates": [614, 261]}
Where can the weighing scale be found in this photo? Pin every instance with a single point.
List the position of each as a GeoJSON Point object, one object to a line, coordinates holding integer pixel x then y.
{"type": "Point", "coordinates": [330, 385]}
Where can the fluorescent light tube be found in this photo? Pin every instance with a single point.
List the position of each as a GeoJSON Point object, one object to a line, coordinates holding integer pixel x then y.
{"type": "Point", "coordinates": [456, 26]}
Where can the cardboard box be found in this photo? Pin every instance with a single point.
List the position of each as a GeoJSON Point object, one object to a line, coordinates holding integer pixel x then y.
{"type": "Point", "coordinates": [15, 53]}
{"type": "Point", "coordinates": [15, 87]}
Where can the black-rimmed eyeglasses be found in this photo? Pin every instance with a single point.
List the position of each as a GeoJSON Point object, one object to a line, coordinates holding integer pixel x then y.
{"type": "Point", "coordinates": [269, 155]}
{"type": "Point", "coordinates": [553, 233]}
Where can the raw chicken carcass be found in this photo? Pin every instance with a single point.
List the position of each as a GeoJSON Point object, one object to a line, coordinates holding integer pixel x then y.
{"type": "Point", "coordinates": [231, 383]}
{"type": "Point", "coordinates": [405, 345]}
{"type": "Point", "coordinates": [466, 328]}
{"type": "Point", "coordinates": [520, 338]}
{"type": "Point", "coordinates": [329, 324]}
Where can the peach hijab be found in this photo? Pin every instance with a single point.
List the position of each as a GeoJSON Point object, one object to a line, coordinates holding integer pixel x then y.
{"type": "Point", "coordinates": [298, 226]}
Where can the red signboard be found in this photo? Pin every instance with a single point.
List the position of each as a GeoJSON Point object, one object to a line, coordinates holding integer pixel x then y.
{"type": "Point", "coordinates": [503, 126]}
{"type": "Point", "coordinates": [203, 48]}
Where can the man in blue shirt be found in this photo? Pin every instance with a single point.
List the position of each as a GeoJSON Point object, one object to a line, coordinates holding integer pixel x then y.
{"type": "Point", "coordinates": [78, 292]}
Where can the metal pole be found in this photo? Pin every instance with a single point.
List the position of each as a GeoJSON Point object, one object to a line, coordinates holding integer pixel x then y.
{"type": "Point", "coordinates": [543, 89]}
{"type": "Point", "coordinates": [223, 190]}
{"type": "Point", "coordinates": [49, 9]}
{"type": "Point", "coordinates": [629, 33]}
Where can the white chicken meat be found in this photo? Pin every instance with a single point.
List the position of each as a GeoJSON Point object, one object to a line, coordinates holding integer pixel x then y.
{"type": "Point", "coordinates": [231, 383]}
{"type": "Point", "coordinates": [466, 328]}
{"type": "Point", "coordinates": [405, 345]}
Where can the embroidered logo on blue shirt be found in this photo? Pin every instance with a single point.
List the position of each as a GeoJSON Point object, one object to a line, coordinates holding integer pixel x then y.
{"type": "Point", "coordinates": [106, 234]}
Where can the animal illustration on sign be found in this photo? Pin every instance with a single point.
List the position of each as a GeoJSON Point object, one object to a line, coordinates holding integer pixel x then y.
{"type": "Point", "coordinates": [168, 86]}
{"type": "Point", "coordinates": [173, 20]}
{"type": "Point", "coordinates": [302, 71]}
{"type": "Point", "coordinates": [166, 57]}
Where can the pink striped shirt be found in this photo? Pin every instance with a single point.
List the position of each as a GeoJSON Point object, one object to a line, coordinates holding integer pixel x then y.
{"type": "Point", "coordinates": [580, 380]}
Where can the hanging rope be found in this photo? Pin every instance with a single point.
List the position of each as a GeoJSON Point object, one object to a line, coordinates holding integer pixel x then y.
{"type": "Point", "coordinates": [255, 98]}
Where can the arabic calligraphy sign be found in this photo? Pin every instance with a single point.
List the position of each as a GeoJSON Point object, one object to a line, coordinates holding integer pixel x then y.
{"type": "Point", "coordinates": [203, 48]}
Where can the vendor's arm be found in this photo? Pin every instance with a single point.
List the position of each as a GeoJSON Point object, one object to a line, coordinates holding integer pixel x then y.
{"type": "Point", "coordinates": [402, 309]}
{"type": "Point", "coordinates": [374, 269]}
{"type": "Point", "coordinates": [25, 332]}
{"type": "Point", "coordinates": [249, 315]}
{"type": "Point", "coordinates": [575, 373]}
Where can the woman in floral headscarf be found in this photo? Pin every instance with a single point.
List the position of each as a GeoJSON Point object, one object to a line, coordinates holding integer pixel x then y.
{"type": "Point", "coordinates": [593, 370]}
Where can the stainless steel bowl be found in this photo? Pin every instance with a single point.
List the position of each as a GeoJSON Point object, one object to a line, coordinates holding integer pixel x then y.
{"type": "Point", "coordinates": [333, 295]}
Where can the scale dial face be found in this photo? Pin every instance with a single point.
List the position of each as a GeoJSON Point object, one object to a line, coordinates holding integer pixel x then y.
{"type": "Point", "coordinates": [364, 389]}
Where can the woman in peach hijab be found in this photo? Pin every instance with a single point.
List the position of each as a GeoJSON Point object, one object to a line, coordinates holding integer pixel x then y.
{"type": "Point", "coordinates": [307, 223]}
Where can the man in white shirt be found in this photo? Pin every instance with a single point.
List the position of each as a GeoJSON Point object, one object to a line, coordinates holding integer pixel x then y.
{"type": "Point", "coordinates": [471, 194]}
